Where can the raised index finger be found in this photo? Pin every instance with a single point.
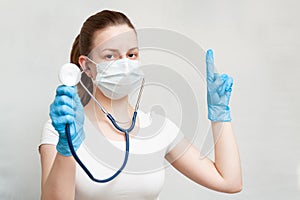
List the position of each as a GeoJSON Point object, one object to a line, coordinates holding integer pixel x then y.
{"type": "Point", "coordinates": [209, 65]}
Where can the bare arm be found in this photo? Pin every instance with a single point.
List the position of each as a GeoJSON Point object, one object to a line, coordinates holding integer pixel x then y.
{"type": "Point", "coordinates": [224, 174]}
{"type": "Point", "coordinates": [227, 159]}
{"type": "Point", "coordinates": [58, 165]}
{"type": "Point", "coordinates": [58, 174]}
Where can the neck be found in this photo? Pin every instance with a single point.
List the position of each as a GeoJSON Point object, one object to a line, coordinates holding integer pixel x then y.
{"type": "Point", "coordinates": [120, 109]}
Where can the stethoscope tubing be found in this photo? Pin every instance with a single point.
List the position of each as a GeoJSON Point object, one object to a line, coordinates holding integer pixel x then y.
{"type": "Point", "coordinates": [113, 121]}
{"type": "Point", "coordinates": [85, 169]}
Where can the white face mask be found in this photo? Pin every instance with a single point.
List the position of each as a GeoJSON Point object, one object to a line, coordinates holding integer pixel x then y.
{"type": "Point", "coordinates": [117, 79]}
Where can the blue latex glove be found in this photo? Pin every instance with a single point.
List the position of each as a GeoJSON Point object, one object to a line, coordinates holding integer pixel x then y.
{"type": "Point", "coordinates": [67, 109]}
{"type": "Point", "coordinates": [219, 89]}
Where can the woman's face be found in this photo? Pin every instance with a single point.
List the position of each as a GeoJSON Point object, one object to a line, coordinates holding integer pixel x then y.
{"type": "Point", "coordinates": [113, 43]}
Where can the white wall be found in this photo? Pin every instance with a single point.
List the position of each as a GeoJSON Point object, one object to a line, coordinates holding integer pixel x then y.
{"type": "Point", "coordinates": [256, 41]}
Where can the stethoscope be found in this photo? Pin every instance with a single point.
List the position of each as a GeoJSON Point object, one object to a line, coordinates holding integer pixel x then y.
{"type": "Point", "coordinates": [70, 75]}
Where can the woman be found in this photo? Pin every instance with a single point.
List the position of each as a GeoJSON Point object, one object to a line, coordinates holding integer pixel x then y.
{"type": "Point", "coordinates": [99, 44]}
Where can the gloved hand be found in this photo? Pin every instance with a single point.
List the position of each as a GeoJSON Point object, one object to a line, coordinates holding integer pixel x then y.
{"type": "Point", "coordinates": [67, 109]}
{"type": "Point", "coordinates": [219, 89]}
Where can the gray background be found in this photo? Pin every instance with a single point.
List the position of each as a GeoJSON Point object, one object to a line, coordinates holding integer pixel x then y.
{"type": "Point", "coordinates": [256, 41]}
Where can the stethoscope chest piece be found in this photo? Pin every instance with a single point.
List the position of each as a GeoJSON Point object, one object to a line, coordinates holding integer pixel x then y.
{"type": "Point", "coordinates": [69, 74]}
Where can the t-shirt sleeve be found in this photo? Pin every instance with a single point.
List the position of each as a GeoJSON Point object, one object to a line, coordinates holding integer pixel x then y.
{"type": "Point", "coordinates": [175, 135]}
{"type": "Point", "coordinates": [49, 134]}
{"type": "Point", "coordinates": [167, 133]}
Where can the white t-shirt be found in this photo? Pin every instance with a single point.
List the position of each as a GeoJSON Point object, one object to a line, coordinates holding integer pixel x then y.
{"type": "Point", "coordinates": [143, 176]}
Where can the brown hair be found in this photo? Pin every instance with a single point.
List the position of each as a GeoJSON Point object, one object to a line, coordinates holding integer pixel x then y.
{"type": "Point", "coordinates": [83, 43]}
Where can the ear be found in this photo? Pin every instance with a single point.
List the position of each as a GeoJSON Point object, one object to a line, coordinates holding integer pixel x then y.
{"type": "Point", "coordinates": [84, 63]}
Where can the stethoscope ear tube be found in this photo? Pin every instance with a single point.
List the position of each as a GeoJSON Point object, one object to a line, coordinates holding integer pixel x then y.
{"type": "Point", "coordinates": [74, 154]}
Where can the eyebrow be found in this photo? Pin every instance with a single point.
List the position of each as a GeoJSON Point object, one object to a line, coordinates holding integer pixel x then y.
{"type": "Point", "coordinates": [133, 48]}
{"type": "Point", "coordinates": [115, 50]}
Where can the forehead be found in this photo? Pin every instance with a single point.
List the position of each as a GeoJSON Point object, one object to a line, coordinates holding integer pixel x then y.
{"type": "Point", "coordinates": [120, 37]}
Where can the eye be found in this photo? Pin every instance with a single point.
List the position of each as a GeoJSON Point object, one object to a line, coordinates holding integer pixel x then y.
{"type": "Point", "coordinates": [109, 57]}
{"type": "Point", "coordinates": [133, 55]}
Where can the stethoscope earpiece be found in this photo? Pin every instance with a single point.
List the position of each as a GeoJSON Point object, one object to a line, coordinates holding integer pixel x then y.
{"type": "Point", "coordinates": [69, 74]}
